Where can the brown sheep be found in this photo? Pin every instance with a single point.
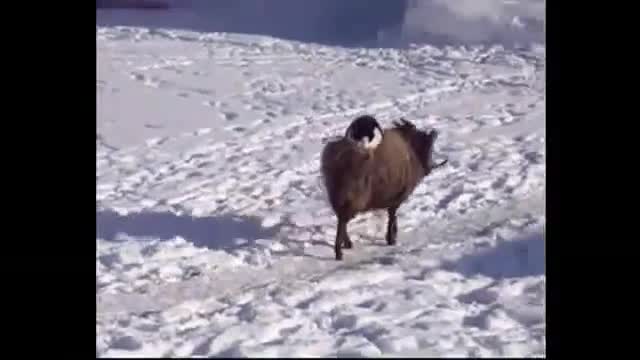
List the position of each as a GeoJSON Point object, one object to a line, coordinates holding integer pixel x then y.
{"type": "Point", "coordinates": [359, 179]}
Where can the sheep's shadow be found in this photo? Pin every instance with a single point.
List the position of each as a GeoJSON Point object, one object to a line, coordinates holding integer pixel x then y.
{"type": "Point", "coordinates": [217, 232]}
{"type": "Point", "coordinates": [519, 257]}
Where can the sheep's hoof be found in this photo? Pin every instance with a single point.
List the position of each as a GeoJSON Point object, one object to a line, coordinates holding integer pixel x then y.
{"type": "Point", "coordinates": [391, 241]}
{"type": "Point", "coordinates": [347, 245]}
{"type": "Point", "coordinates": [339, 257]}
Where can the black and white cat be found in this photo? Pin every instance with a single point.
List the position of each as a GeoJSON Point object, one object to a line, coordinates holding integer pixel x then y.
{"type": "Point", "coordinates": [365, 131]}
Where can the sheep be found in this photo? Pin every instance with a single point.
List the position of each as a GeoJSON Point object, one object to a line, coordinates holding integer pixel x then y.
{"type": "Point", "coordinates": [359, 179]}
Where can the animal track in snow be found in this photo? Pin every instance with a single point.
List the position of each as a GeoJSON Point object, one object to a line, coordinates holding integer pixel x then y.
{"type": "Point", "coordinates": [230, 115]}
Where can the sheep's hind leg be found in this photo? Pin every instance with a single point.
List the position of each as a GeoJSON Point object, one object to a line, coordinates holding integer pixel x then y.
{"type": "Point", "coordinates": [341, 238]}
{"type": "Point", "coordinates": [346, 240]}
{"type": "Point", "coordinates": [392, 226]}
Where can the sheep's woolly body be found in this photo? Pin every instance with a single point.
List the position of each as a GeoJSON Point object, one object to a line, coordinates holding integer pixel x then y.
{"type": "Point", "coordinates": [396, 173]}
{"type": "Point", "coordinates": [344, 169]}
{"type": "Point", "coordinates": [359, 180]}
{"type": "Point", "coordinates": [351, 173]}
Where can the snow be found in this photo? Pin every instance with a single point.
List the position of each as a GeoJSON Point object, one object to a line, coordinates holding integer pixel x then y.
{"type": "Point", "coordinates": [214, 237]}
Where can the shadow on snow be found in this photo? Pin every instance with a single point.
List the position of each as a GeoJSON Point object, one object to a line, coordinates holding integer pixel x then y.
{"type": "Point", "coordinates": [332, 22]}
{"type": "Point", "coordinates": [352, 23]}
{"type": "Point", "coordinates": [217, 232]}
{"type": "Point", "coordinates": [509, 259]}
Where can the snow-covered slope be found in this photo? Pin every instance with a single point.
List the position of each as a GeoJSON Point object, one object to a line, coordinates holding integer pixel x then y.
{"type": "Point", "coordinates": [213, 233]}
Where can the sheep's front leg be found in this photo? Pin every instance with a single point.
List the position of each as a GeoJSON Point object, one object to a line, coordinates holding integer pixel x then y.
{"type": "Point", "coordinates": [392, 226]}
{"type": "Point", "coordinates": [342, 238]}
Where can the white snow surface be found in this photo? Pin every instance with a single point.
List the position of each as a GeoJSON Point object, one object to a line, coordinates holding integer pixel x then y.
{"type": "Point", "coordinates": [214, 237]}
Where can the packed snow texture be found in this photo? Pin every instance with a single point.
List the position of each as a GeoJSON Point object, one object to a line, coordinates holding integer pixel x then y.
{"type": "Point", "coordinates": [214, 236]}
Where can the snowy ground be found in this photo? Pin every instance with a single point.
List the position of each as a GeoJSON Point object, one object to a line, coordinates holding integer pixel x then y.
{"type": "Point", "coordinates": [214, 237]}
